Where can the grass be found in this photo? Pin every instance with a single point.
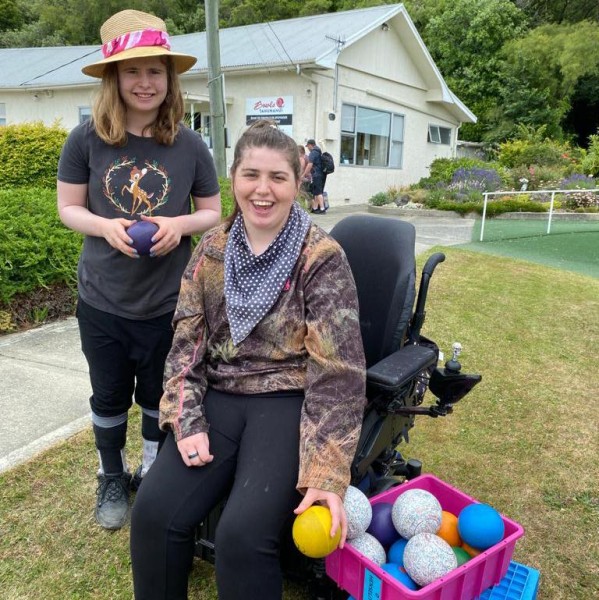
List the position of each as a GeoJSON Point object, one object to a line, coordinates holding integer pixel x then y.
{"type": "Point", "coordinates": [525, 441]}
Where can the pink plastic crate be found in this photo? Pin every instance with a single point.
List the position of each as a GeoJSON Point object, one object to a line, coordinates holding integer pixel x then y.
{"type": "Point", "coordinates": [364, 580]}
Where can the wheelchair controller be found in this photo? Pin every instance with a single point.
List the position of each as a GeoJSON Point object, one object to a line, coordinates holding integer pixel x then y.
{"type": "Point", "coordinates": [448, 385]}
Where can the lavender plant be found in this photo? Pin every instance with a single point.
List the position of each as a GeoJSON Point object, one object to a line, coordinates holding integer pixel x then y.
{"type": "Point", "coordinates": [578, 181]}
{"type": "Point", "coordinates": [472, 183]}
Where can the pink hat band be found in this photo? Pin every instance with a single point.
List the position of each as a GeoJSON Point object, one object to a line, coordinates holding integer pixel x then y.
{"type": "Point", "coordinates": [136, 39]}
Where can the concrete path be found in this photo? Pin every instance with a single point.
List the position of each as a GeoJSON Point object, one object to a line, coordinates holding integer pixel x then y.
{"type": "Point", "coordinates": [44, 386]}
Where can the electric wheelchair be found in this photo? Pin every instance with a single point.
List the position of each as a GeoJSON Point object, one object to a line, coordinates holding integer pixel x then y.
{"type": "Point", "coordinates": [401, 365]}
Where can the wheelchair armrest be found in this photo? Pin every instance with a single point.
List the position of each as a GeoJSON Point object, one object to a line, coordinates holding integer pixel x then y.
{"type": "Point", "coordinates": [400, 368]}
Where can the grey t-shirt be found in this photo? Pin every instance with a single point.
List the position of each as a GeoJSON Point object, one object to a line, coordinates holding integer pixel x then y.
{"type": "Point", "coordinates": [140, 178]}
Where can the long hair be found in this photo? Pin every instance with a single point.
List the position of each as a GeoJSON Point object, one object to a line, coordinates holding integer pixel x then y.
{"type": "Point", "coordinates": [264, 133]}
{"type": "Point", "coordinates": [109, 113]}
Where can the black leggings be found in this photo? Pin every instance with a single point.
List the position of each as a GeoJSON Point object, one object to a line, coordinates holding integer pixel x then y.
{"type": "Point", "coordinates": [255, 443]}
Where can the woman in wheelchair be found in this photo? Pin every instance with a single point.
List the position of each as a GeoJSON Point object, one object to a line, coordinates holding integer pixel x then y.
{"type": "Point", "coordinates": [264, 387]}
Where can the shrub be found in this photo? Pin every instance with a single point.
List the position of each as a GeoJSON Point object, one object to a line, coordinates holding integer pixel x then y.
{"type": "Point", "coordinates": [515, 153]}
{"type": "Point", "coordinates": [29, 155]}
{"type": "Point", "coordinates": [511, 204]}
{"type": "Point", "coordinates": [578, 181]}
{"type": "Point", "coordinates": [443, 169]}
{"type": "Point", "coordinates": [532, 147]}
{"type": "Point", "coordinates": [465, 181]}
{"type": "Point", "coordinates": [226, 196]}
{"type": "Point", "coordinates": [538, 177]}
{"type": "Point", "coordinates": [582, 200]}
{"type": "Point", "coordinates": [379, 199]}
{"type": "Point", "coordinates": [441, 200]}
{"type": "Point", "coordinates": [37, 250]}
{"type": "Point", "coordinates": [590, 161]}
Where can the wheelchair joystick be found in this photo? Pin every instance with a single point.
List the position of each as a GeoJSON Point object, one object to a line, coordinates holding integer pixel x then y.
{"type": "Point", "coordinates": [450, 385]}
{"type": "Point", "coordinates": [453, 365]}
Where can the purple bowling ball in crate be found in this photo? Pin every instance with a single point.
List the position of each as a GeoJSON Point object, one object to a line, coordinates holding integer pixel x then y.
{"type": "Point", "coordinates": [381, 524]}
{"type": "Point", "coordinates": [141, 232]}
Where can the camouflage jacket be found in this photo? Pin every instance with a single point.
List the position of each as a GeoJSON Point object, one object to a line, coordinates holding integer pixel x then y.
{"type": "Point", "coordinates": [310, 340]}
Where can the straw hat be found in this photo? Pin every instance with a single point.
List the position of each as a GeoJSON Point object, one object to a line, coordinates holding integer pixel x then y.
{"type": "Point", "coordinates": [135, 34]}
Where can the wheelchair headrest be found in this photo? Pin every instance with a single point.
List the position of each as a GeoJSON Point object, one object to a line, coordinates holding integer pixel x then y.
{"type": "Point", "coordinates": [381, 254]}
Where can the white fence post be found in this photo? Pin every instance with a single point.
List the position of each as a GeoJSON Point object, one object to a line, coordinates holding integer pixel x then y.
{"type": "Point", "coordinates": [482, 225]}
{"type": "Point", "coordinates": [550, 213]}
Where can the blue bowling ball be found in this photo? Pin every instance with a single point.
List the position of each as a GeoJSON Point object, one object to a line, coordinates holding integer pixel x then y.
{"type": "Point", "coordinates": [395, 554]}
{"type": "Point", "coordinates": [400, 574]}
{"type": "Point", "coordinates": [480, 526]}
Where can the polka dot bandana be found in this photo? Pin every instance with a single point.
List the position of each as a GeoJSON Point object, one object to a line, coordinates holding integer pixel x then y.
{"type": "Point", "coordinates": [253, 283]}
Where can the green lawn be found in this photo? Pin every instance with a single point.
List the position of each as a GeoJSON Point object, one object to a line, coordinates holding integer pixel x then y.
{"type": "Point", "coordinates": [525, 441]}
{"type": "Point", "coordinates": [571, 245]}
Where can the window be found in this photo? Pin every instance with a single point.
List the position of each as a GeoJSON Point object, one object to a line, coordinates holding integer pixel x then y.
{"type": "Point", "coordinates": [2, 113]}
{"type": "Point", "coordinates": [193, 120]}
{"type": "Point", "coordinates": [371, 137]}
{"type": "Point", "coordinates": [439, 135]}
{"type": "Point", "coordinates": [85, 112]}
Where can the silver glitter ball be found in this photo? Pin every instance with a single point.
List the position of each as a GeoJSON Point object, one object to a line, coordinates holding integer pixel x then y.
{"type": "Point", "coordinates": [358, 511]}
{"type": "Point", "coordinates": [428, 557]}
{"type": "Point", "coordinates": [370, 547]}
{"type": "Point", "coordinates": [416, 511]}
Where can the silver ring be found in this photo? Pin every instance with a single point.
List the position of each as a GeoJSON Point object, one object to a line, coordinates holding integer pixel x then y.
{"type": "Point", "coordinates": [192, 455]}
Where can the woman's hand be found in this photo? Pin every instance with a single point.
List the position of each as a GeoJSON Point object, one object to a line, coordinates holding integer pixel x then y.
{"type": "Point", "coordinates": [168, 236]}
{"type": "Point", "coordinates": [195, 450]}
{"type": "Point", "coordinates": [335, 505]}
{"type": "Point", "coordinates": [114, 231]}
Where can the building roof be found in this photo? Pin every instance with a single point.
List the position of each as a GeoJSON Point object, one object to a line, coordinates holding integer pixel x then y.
{"type": "Point", "coordinates": [313, 41]}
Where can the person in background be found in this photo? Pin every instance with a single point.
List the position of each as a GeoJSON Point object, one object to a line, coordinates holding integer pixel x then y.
{"type": "Point", "coordinates": [305, 192]}
{"type": "Point", "coordinates": [314, 171]}
{"type": "Point", "coordinates": [134, 160]}
{"type": "Point", "coordinates": [264, 387]}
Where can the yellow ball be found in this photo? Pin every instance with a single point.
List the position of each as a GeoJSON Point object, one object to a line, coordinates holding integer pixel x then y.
{"type": "Point", "coordinates": [312, 532]}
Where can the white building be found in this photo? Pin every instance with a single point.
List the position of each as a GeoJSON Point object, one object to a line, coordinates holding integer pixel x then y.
{"type": "Point", "coordinates": [360, 82]}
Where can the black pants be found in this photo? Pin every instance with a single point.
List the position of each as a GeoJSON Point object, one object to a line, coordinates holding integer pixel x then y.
{"type": "Point", "coordinates": [255, 443]}
{"type": "Point", "coordinates": [125, 357]}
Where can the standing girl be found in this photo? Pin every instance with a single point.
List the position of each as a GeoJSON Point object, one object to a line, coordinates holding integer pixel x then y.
{"type": "Point", "coordinates": [133, 160]}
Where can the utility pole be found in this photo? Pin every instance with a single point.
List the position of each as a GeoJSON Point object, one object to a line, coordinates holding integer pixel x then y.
{"type": "Point", "coordinates": [215, 89]}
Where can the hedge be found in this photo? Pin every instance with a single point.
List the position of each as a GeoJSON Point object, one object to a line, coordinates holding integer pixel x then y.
{"type": "Point", "coordinates": [29, 155]}
{"type": "Point", "coordinates": [36, 249]}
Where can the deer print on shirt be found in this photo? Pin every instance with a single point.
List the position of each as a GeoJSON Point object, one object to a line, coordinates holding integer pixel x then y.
{"type": "Point", "coordinates": [139, 195]}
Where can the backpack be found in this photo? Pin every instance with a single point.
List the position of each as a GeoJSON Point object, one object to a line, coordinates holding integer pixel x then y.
{"type": "Point", "coordinates": [328, 164]}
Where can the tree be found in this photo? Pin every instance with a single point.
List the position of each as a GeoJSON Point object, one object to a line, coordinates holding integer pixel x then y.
{"type": "Point", "coordinates": [10, 15]}
{"type": "Point", "coordinates": [544, 70]}
{"type": "Point", "coordinates": [559, 11]}
{"type": "Point", "coordinates": [465, 40]}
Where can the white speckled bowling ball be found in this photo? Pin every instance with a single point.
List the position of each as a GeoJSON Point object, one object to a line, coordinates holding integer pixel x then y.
{"type": "Point", "coordinates": [358, 511]}
{"type": "Point", "coordinates": [428, 557]}
{"type": "Point", "coordinates": [416, 511]}
{"type": "Point", "coordinates": [370, 547]}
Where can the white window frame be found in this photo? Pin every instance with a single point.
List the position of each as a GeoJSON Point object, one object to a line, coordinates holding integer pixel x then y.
{"type": "Point", "coordinates": [395, 135]}
{"type": "Point", "coordinates": [437, 134]}
{"type": "Point", "coordinates": [2, 113]}
{"type": "Point", "coordinates": [85, 113]}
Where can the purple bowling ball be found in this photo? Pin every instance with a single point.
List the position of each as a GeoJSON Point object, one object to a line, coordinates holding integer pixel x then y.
{"type": "Point", "coordinates": [381, 524]}
{"type": "Point", "coordinates": [141, 233]}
